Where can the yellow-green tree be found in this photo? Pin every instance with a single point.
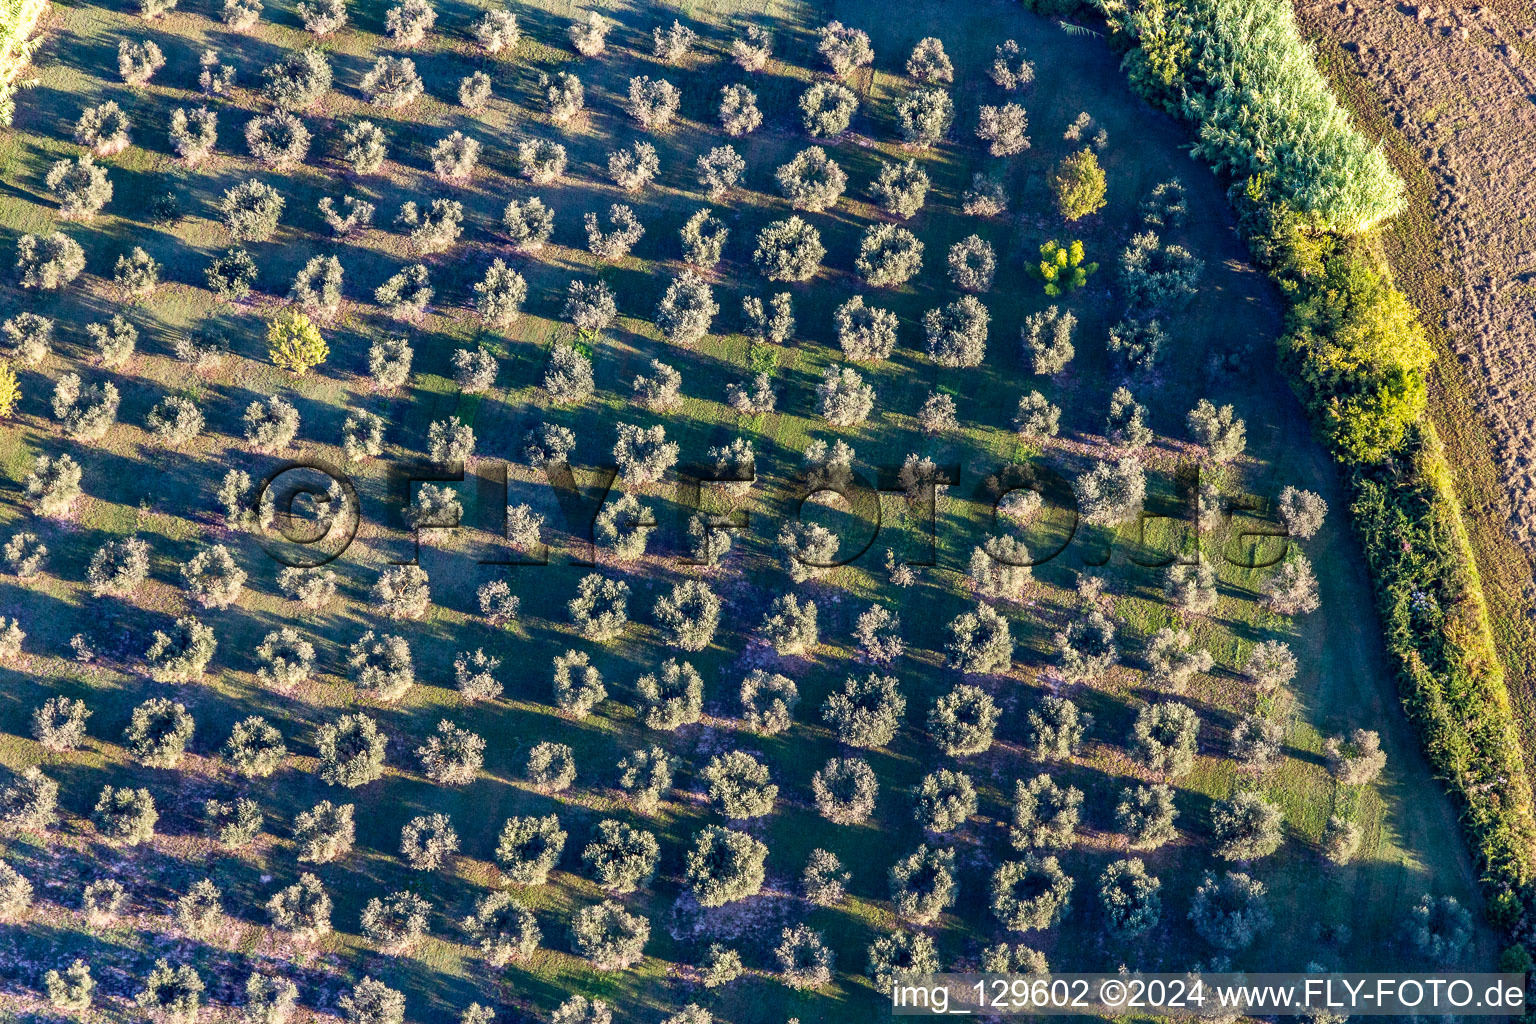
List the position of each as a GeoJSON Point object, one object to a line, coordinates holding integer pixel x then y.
{"type": "Point", "coordinates": [1062, 268]}
{"type": "Point", "coordinates": [295, 343]}
{"type": "Point", "coordinates": [1079, 185]}
{"type": "Point", "coordinates": [10, 389]}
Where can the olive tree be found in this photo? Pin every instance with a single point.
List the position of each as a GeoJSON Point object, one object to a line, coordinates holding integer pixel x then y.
{"type": "Point", "coordinates": [298, 80]}
{"type": "Point", "coordinates": [811, 181]}
{"type": "Point", "coordinates": [865, 333]}
{"type": "Point", "coordinates": [672, 697]}
{"type": "Point", "coordinates": [503, 929]}
{"type": "Point", "coordinates": [589, 35]}
{"type": "Point", "coordinates": [395, 922]}
{"type": "Point", "coordinates": [578, 685]}
{"type": "Point", "coordinates": [1044, 813]}
{"type": "Point", "coordinates": [805, 961]}
{"type": "Point", "coordinates": [212, 579]}
{"type": "Point", "coordinates": [322, 17]}
{"type": "Point", "coordinates": [720, 170]}
{"type": "Point", "coordinates": [737, 785]}
{"type": "Point", "coordinates": [609, 937]}
{"type": "Point", "coordinates": [1355, 760]}
{"type": "Point", "coordinates": [1291, 589]}
{"type": "Point", "coordinates": [635, 167]}
{"type": "Point", "coordinates": [70, 991]}
{"type": "Point", "coordinates": [752, 48]}
{"type": "Point", "coordinates": [1030, 894]}
{"type": "Point", "coordinates": [723, 866]}
{"type": "Point", "coordinates": [125, 816]}
{"type": "Point", "coordinates": [1163, 738]}
{"type": "Point", "coordinates": [1245, 827]}
{"type": "Point", "coordinates": [541, 161]}
{"type": "Point", "coordinates": [80, 186]}
{"type": "Point", "coordinates": [1270, 664]}
{"type": "Point", "coordinates": [844, 790]}
{"type": "Point", "coordinates": [1046, 340]}
{"type": "Point", "coordinates": [646, 775]}
{"type": "Point", "coordinates": [787, 250]}
{"type": "Point", "coordinates": [138, 60]}
{"type": "Point", "coordinates": [325, 833]}
{"type": "Point", "coordinates": [1004, 128]}
{"type": "Point", "coordinates": [1130, 898]}
{"type": "Point", "coordinates": [739, 114]}
{"type": "Point", "coordinates": [53, 485]}
{"type": "Point", "coordinates": [529, 848]}
{"type": "Point", "coordinates": [900, 956]}
{"type": "Point", "coordinates": [255, 748]}
{"type": "Point", "coordinates": [923, 884]}
{"type": "Point", "coordinates": [1111, 492]}
{"type": "Point", "coordinates": [29, 802]}
{"type": "Point", "coordinates": [351, 751]}
{"type": "Point", "coordinates": [1155, 275]}
{"type": "Point", "coordinates": [901, 189]}
{"type": "Point", "coordinates": [957, 332]}
{"type": "Point", "coordinates": [234, 823]}
{"type": "Point", "coordinates": [844, 49]}
{"type": "Point", "coordinates": [686, 309]}
{"type": "Point", "coordinates": [1137, 341]}
{"type": "Point", "coordinates": [827, 108]}
{"type": "Point", "coordinates": [1086, 647]}
{"type": "Point", "coordinates": [451, 756]}
{"type": "Point", "coordinates": [1173, 660]}
{"type": "Point", "coordinates": [363, 147]}
{"type": "Point", "coordinates": [49, 262]}
{"type": "Point", "coordinates": [172, 993]}
{"type": "Point", "coordinates": [600, 609]}
{"type": "Point", "coordinates": [1146, 815]}
{"type": "Point", "coordinates": [550, 768]}
{"type": "Point", "coordinates": [590, 308]}
{"type": "Point", "coordinates": [475, 675]}
{"type": "Point", "coordinates": [621, 858]}
{"type": "Point", "coordinates": [985, 198]}
{"type": "Point", "coordinates": [643, 454]}
{"type": "Point", "coordinates": [428, 841]}
{"type": "Point", "coordinates": [1218, 430]}
{"type": "Point", "coordinates": [944, 800]}
{"type": "Point", "coordinates": [925, 115]}
{"type": "Point", "coordinates": [844, 399]}
{"type": "Point", "coordinates": [301, 909]}
{"type": "Point", "coordinates": [371, 1001]}
{"type": "Point", "coordinates": [768, 701]}
{"type": "Point", "coordinates": [866, 712]}
{"type": "Point", "coordinates": [979, 641]}
{"type": "Point", "coordinates": [278, 140]}
{"type": "Point", "coordinates": [824, 882]}
{"type": "Point", "coordinates": [1256, 742]}
{"type": "Point", "coordinates": [104, 129]}
{"type": "Point", "coordinates": [180, 652]}
{"type": "Point", "coordinates": [1230, 912]}
{"type": "Point", "coordinates": [30, 337]}
{"type": "Point", "coordinates": [963, 720]}
{"type": "Point", "coordinates": [1302, 512]}
{"type": "Point", "coordinates": [528, 224]}
{"type": "Point", "coordinates": [929, 63]}
{"type": "Point", "coordinates": [653, 102]}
